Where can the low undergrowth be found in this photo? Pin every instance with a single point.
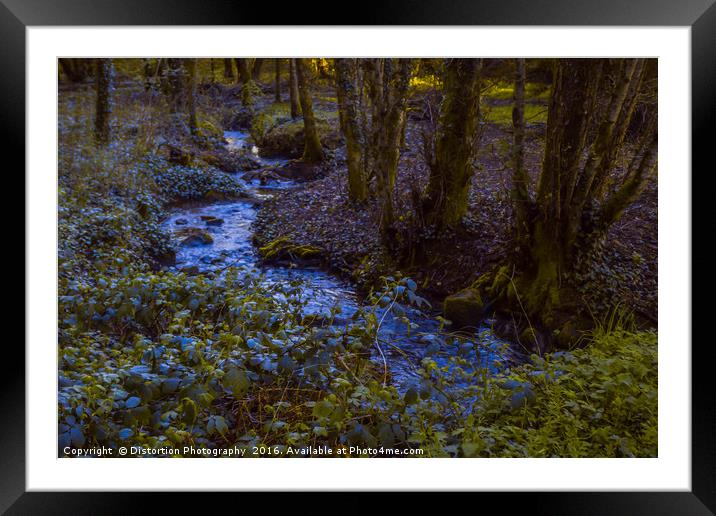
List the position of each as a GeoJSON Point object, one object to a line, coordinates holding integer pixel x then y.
{"type": "Point", "coordinates": [154, 358]}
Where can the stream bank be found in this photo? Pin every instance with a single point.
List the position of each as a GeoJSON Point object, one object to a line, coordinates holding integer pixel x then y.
{"type": "Point", "coordinates": [211, 237]}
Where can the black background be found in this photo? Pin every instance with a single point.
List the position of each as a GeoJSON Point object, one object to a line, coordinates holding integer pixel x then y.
{"type": "Point", "coordinates": [15, 15]}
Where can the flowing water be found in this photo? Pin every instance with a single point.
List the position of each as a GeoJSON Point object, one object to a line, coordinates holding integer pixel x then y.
{"type": "Point", "coordinates": [402, 352]}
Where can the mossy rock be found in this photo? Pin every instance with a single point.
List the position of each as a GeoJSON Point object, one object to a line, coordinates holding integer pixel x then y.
{"type": "Point", "coordinates": [195, 237]}
{"type": "Point", "coordinates": [465, 308]}
{"type": "Point", "coordinates": [214, 195]}
{"type": "Point", "coordinates": [287, 139]}
{"type": "Point", "coordinates": [238, 120]}
{"type": "Point", "coordinates": [298, 170]}
{"type": "Point", "coordinates": [209, 130]}
{"type": "Point", "coordinates": [232, 161]}
{"type": "Point", "coordinates": [262, 124]}
{"type": "Point", "coordinates": [267, 119]}
{"type": "Point", "coordinates": [277, 134]}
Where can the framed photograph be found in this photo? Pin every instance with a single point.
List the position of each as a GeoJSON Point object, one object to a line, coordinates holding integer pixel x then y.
{"type": "Point", "coordinates": [422, 249]}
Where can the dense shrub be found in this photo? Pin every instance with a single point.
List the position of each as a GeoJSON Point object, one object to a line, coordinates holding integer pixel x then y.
{"type": "Point", "coordinates": [180, 183]}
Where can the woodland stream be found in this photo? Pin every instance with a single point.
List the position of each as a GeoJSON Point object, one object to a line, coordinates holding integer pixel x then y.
{"type": "Point", "coordinates": [232, 246]}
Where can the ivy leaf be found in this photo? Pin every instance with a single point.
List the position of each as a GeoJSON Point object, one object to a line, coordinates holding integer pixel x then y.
{"type": "Point", "coordinates": [236, 381]}
{"type": "Point", "coordinates": [323, 408]}
{"type": "Point", "coordinates": [411, 396]}
{"type": "Point", "coordinates": [218, 424]}
{"type": "Point", "coordinates": [471, 449]}
{"type": "Point", "coordinates": [125, 433]}
{"type": "Point", "coordinates": [77, 438]}
{"type": "Point", "coordinates": [132, 402]}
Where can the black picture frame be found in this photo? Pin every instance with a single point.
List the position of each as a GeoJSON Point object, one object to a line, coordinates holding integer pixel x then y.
{"type": "Point", "coordinates": [700, 15]}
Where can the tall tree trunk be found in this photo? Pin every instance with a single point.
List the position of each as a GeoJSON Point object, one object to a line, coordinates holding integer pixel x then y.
{"type": "Point", "coordinates": [388, 82]}
{"type": "Point", "coordinates": [228, 68]}
{"type": "Point", "coordinates": [520, 179]}
{"type": "Point", "coordinates": [277, 80]}
{"type": "Point", "coordinates": [293, 90]}
{"type": "Point", "coordinates": [256, 69]}
{"type": "Point", "coordinates": [451, 161]}
{"type": "Point", "coordinates": [176, 81]}
{"type": "Point", "coordinates": [103, 75]}
{"type": "Point", "coordinates": [190, 65]}
{"type": "Point", "coordinates": [321, 69]}
{"type": "Point", "coordinates": [149, 71]}
{"type": "Point", "coordinates": [571, 212]}
{"type": "Point", "coordinates": [246, 81]}
{"type": "Point", "coordinates": [243, 72]}
{"type": "Point", "coordinates": [348, 109]}
{"type": "Point", "coordinates": [312, 151]}
{"type": "Point", "coordinates": [163, 77]}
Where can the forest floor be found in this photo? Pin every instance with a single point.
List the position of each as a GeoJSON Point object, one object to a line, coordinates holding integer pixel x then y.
{"type": "Point", "coordinates": [319, 214]}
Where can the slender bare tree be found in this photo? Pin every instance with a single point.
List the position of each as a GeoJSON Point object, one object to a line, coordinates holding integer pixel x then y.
{"type": "Point", "coordinates": [103, 82]}
{"type": "Point", "coordinates": [228, 68]}
{"type": "Point", "coordinates": [293, 90]}
{"type": "Point", "coordinates": [277, 80]}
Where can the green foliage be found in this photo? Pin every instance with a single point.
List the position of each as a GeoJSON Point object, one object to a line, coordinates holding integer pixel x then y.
{"type": "Point", "coordinates": [156, 358]}
{"type": "Point", "coordinates": [595, 402]}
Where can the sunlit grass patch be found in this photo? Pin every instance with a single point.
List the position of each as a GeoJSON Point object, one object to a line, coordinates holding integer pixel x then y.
{"type": "Point", "coordinates": [502, 115]}
{"type": "Point", "coordinates": [505, 91]}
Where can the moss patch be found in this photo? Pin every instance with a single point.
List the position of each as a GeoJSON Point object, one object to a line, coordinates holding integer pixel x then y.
{"type": "Point", "coordinates": [282, 247]}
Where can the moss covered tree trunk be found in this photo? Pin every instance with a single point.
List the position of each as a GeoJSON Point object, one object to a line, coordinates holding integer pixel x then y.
{"type": "Point", "coordinates": [573, 209]}
{"type": "Point", "coordinates": [103, 109]}
{"type": "Point", "coordinates": [388, 81]}
{"type": "Point", "coordinates": [176, 84]}
{"type": "Point", "coordinates": [277, 81]}
{"type": "Point", "coordinates": [190, 65]}
{"type": "Point", "coordinates": [257, 66]}
{"type": "Point", "coordinates": [245, 78]}
{"type": "Point", "coordinates": [589, 176]}
{"type": "Point", "coordinates": [348, 110]}
{"type": "Point", "coordinates": [520, 179]}
{"type": "Point", "coordinates": [293, 89]}
{"type": "Point", "coordinates": [312, 150]}
{"type": "Point", "coordinates": [149, 71]}
{"type": "Point", "coordinates": [450, 160]}
{"type": "Point", "coordinates": [228, 68]}
{"type": "Point", "coordinates": [321, 68]}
